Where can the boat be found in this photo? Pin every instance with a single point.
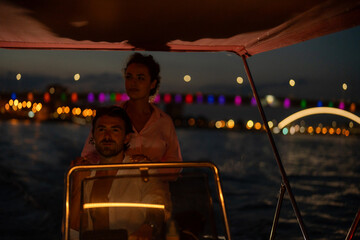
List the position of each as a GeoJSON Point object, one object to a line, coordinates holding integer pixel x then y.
{"type": "Point", "coordinates": [195, 210]}
{"type": "Point", "coordinates": [240, 27]}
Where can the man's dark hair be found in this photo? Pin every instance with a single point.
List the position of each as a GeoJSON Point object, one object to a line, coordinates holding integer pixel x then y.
{"type": "Point", "coordinates": [151, 64]}
{"type": "Point", "coordinates": [113, 111]}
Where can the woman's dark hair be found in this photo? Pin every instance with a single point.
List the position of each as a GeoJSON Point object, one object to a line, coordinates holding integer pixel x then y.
{"type": "Point", "coordinates": [114, 111]}
{"type": "Point", "coordinates": [151, 64]}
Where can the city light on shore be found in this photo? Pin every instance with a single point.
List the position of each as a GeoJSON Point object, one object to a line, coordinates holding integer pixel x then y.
{"type": "Point", "coordinates": [73, 106]}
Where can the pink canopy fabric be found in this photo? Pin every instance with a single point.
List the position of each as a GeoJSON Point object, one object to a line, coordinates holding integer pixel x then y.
{"type": "Point", "coordinates": [241, 26]}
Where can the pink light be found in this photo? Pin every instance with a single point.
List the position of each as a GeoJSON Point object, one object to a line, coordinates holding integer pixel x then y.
{"type": "Point", "coordinates": [124, 97]}
{"type": "Point", "coordinates": [342, 105]}
{"type": "Point", "coordinates": [237, 100]}
{"type": "Point", "coordinates": [102, 97]}
{"type": "Point", "coordinates": [286, 103]}
{"type": "Point", "coordinates": [157, 99]}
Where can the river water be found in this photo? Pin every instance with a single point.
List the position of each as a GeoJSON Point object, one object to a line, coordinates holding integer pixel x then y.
{"type": "Point", "coordinates": [324, 173]}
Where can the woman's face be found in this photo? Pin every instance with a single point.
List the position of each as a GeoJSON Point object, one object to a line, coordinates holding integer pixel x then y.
{"type": "Point", "coordinates": [138, 81]}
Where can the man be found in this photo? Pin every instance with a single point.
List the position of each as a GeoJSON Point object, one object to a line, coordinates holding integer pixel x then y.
{"type": "Point", "coordinates": [111, 132]}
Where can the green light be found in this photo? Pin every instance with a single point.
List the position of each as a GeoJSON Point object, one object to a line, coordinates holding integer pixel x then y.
{"type": "Point", "coordinates": [113, 97]}
{"type": "Point", "coordinates": [63, 97]}
{"type": "Point", "coordinates": [303, 103]}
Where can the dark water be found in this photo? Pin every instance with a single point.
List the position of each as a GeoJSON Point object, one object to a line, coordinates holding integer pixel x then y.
{"type": "Point", "coordinates": [324, 173]}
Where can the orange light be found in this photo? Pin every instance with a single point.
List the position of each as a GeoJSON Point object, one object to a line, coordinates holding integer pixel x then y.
{"type": "Point", "coordinates": [318, 130]}
{"type": "Point", "coordinates": [230, 124]}
{"type": "Point", "coordinates": [352, 107]}
{"type": "Point", "coordinates": [310, 130]}
{"type": "Point", "coordinates": [30, 96]}
{"type": "Point", "coordinates": [338, 131]}
{"type": "Point", "coordinates": [324, 131]}
{"type": "Point", "coordinates": [118, 204]}
{"type": "Point", "coordinates": [66, 110]}
{"type": "Point", "coordinates": [257, 126]}
{"type": "Point", "coordinates": [191, 122]}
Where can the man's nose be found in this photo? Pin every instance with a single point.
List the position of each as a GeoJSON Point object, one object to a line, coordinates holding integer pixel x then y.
{"type": "Point", "coordinates": [107, 135]}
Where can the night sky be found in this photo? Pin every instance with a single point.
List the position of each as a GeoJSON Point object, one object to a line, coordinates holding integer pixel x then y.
{"type": "Point", "coordinates": [319, 68]}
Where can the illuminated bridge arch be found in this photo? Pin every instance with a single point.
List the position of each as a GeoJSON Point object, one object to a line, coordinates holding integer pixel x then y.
{"type": "Point", "coordinates": [318, 110]}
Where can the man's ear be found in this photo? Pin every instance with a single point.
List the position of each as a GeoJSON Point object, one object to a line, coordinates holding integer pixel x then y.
{"type": "Point", "coordinates": [127, 138]}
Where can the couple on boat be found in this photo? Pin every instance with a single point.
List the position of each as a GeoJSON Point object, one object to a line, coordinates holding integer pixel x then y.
{"type": "Point", "coordinates": [137, 131]}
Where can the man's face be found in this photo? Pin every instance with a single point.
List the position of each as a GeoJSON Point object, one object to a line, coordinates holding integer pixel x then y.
{"type": "Point", "coordinates": [109, 136]}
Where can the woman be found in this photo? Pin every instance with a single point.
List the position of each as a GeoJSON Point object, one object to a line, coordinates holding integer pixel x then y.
{"type": "Point", "coordinates": [154, 136]}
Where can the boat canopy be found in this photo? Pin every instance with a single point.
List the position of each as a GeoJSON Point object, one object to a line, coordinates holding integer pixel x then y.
{"type": "Point", "coordinates": [241, 26]}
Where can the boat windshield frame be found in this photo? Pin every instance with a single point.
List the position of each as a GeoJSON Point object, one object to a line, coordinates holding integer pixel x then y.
{"type": "Point", "coordinates": [142, 167]}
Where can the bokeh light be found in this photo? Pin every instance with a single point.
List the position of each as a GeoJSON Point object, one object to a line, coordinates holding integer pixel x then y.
{"type": "Point", "coordinates": [76, 77]}
{"type": "Point", "coordinates": [187, 78]}
{"type": "Point", "coordinates": [239, 80]}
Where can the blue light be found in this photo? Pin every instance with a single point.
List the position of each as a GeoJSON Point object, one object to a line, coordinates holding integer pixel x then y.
{"type": "Point", "coordinates": [319, 103]}
{"type": "Point", "coordinates": [178, 98]}
{"type": "Point", "coordinates": [222, 99]}
{"type": "Point", "coordinates": [285, 131]}
{"type": "Point", "coordinates": [13, 96]}
{"type": "Point", "coordinates": [199, 98]}
{"type": "Point", "coordinates": [253, 101]}
{"type": "Point", "coordinates": [210, 99]}
{"type": "Point", "coordinates": [91, 97]}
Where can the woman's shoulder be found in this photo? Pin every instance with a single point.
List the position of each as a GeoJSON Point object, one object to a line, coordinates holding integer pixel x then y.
{"type": "Point", "coordinates": [160, 113]}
